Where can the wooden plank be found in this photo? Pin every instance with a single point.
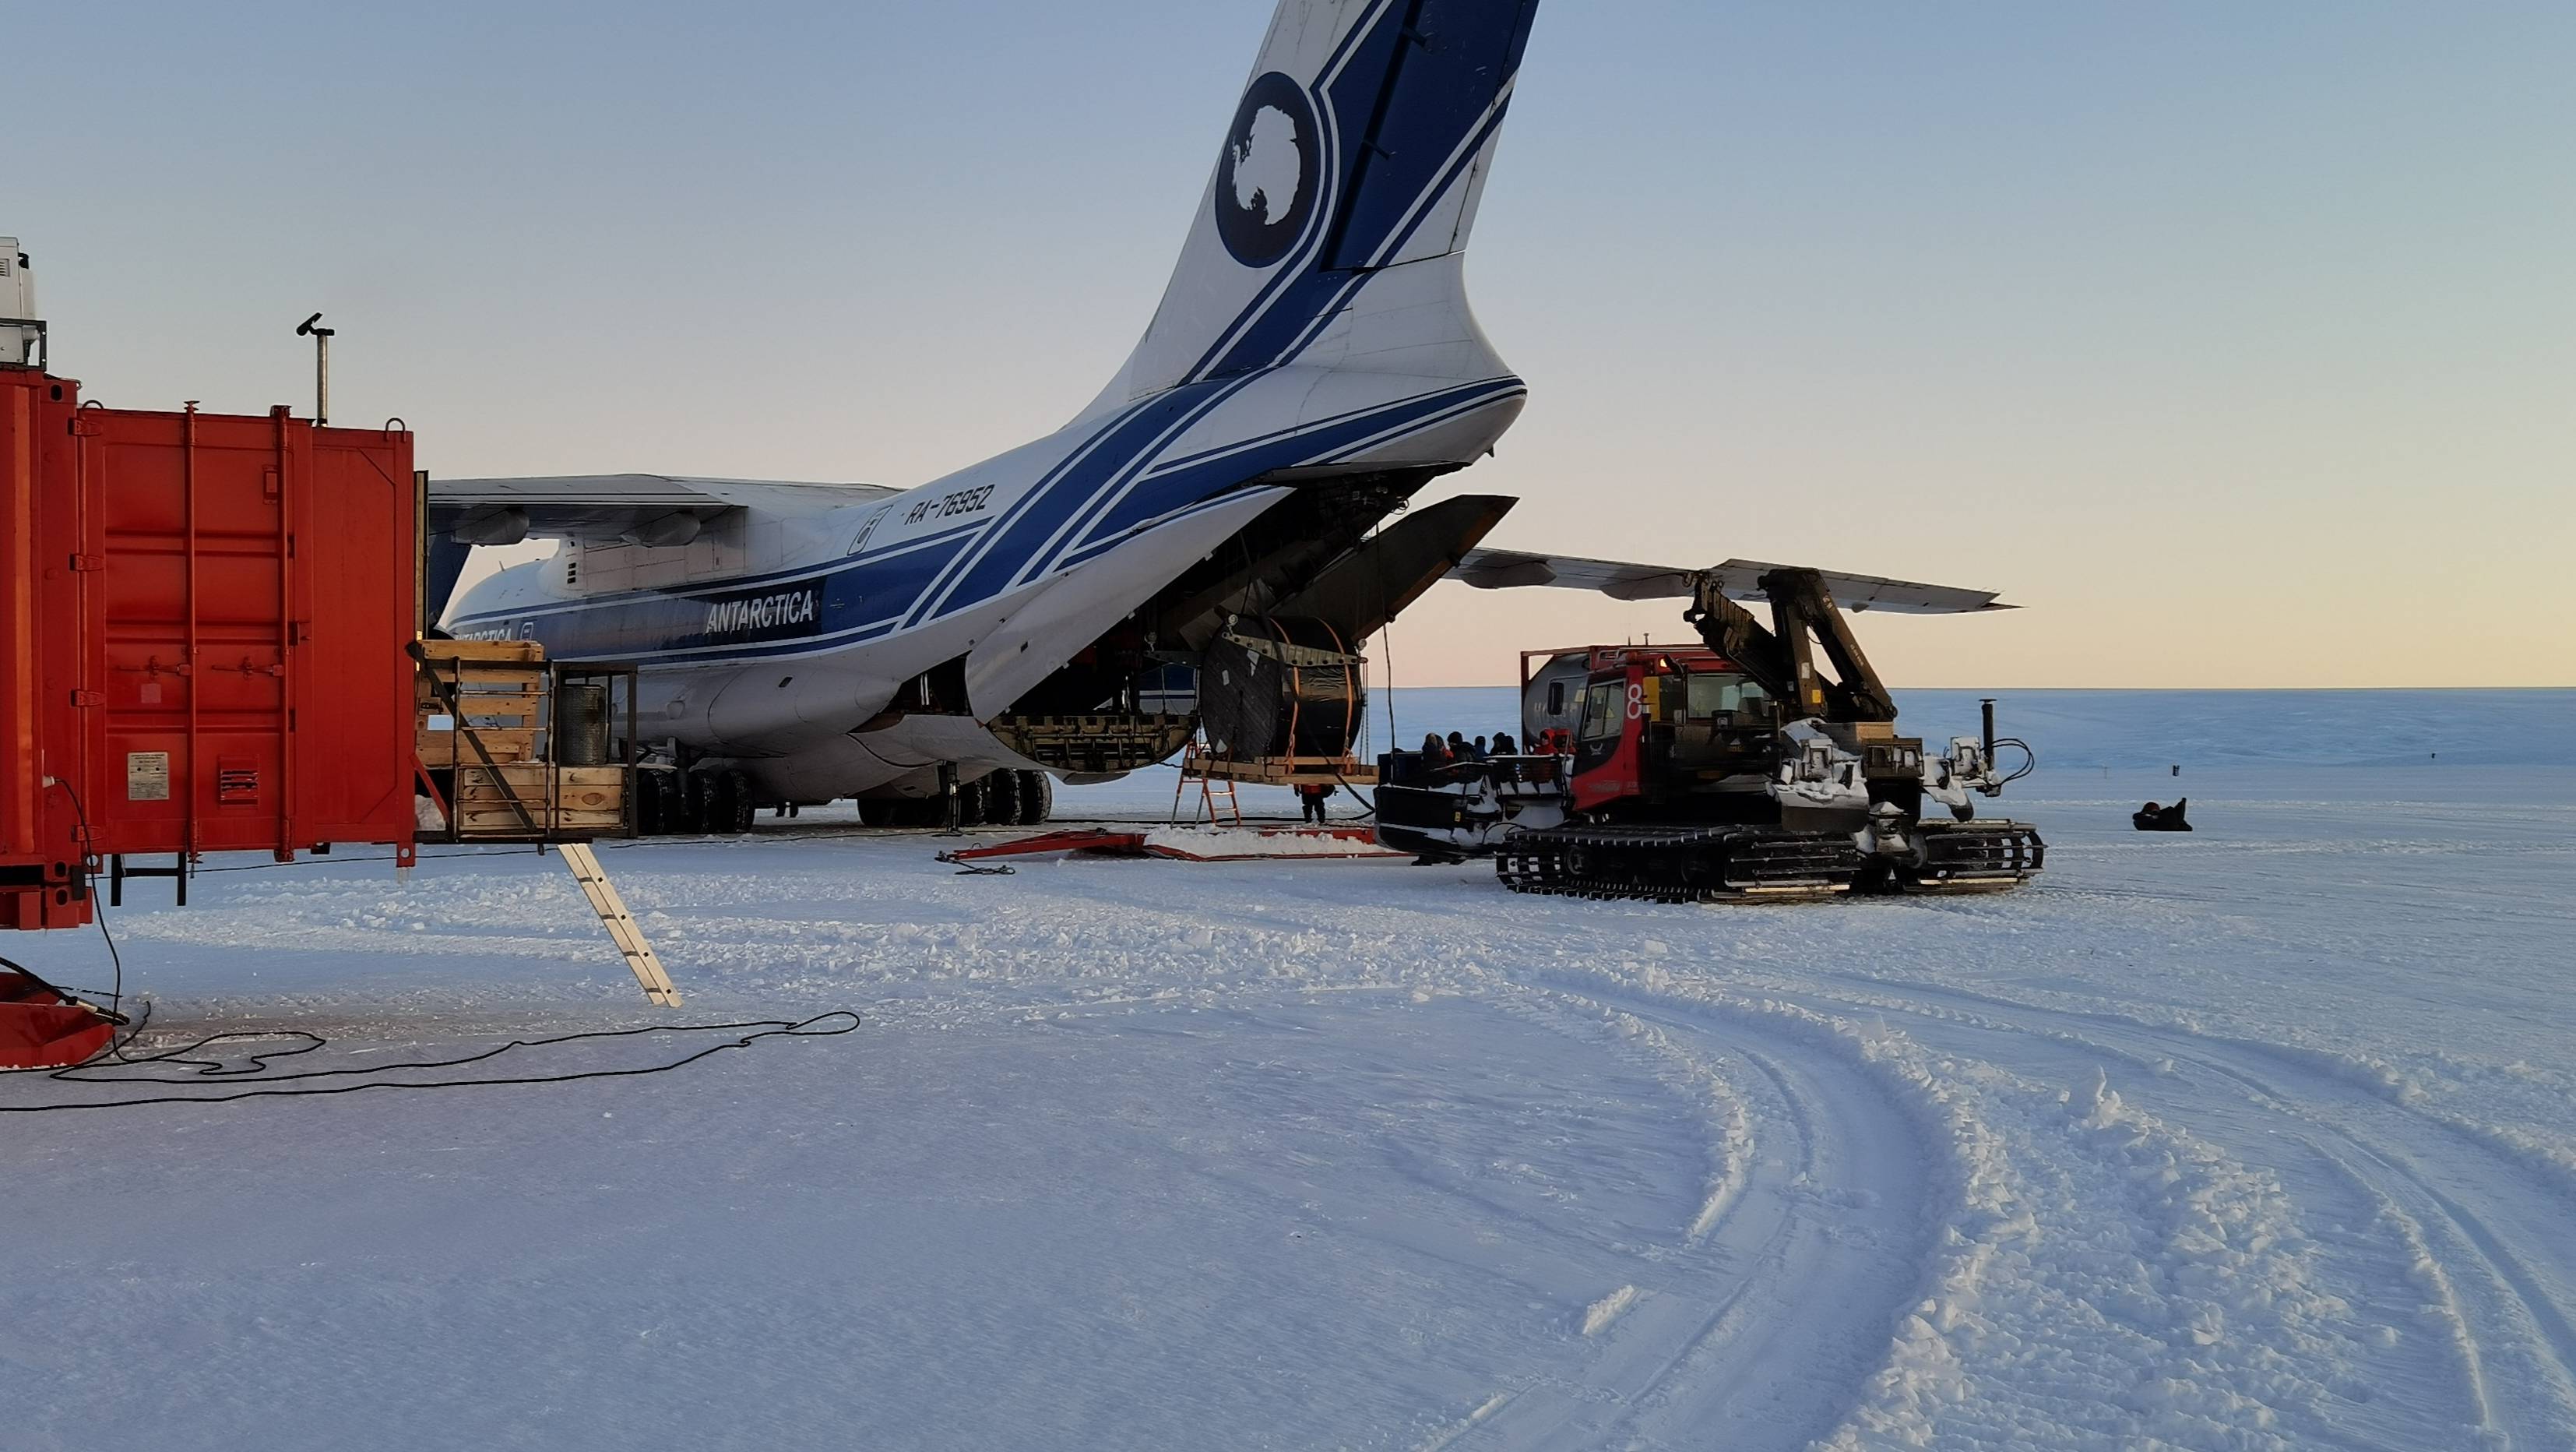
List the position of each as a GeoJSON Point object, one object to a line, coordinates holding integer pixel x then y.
{"type": "Point", "coordinates": [580, 794]}
{"type": "Point", "coordinates": [529, 774]}
{"type": "Point", "coordinates": [522, 739]}
{"type": "Point", "coordinates": [486, 721]}
{"type": "Point", "coordinates": [525, 652]}
{"type": "Point", "coordinates": [622, 928]}
{"type": "Point", "coordinates": [588, 804]}
{"type": "Point", "coordinates": [1285, 770]}
{"type": "Point", "coordinates": [498, 716]}
{"type": "Point", "coordinates": [519, 679]}
{"type": "Point", "coordinates": [440, 753]}
{"type": "Point", "coordinates": [440, 750]}
{"type": "Point", "coordinates": [475, 820]}
{"type": "Point", "coordinates": [517, 708]}
{"type": "Point", "coordinates": [535, 772]}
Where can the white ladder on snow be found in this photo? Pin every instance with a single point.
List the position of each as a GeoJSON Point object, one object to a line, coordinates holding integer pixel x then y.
{"type": "Point", "coordinates": [620, 924]}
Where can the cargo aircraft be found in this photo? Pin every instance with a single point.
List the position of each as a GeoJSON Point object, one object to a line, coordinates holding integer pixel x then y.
{"type": "Point", "coordinates": [1234, 501]}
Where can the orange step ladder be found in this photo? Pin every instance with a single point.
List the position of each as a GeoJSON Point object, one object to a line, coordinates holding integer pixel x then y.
{"type": "Point", "coordinates": [1212, 788]}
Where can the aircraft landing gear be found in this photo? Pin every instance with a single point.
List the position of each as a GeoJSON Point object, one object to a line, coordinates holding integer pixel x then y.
{"type": "Point", "coordinates": [674, 803]}
{"type": "Point", "coordinates": [726, 802]}
{"type": "Point", "coordinates": [1004, 798]}
{"type": "Point", "coordinates": [1037, 797]}
{"type": "Point", "coordinates": [1001, 799]}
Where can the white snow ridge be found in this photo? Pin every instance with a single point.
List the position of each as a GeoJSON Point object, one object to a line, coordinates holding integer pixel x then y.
{"type": "Point", "coordinates": [2258, 1138]}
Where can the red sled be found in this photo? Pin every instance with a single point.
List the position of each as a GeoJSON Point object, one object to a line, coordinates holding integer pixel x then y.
{"type": "Point", "coordinates": [43, 1028]}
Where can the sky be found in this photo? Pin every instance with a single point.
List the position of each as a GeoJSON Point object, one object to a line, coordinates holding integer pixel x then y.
{"type": "Point", "coordinates": [2235, 343]}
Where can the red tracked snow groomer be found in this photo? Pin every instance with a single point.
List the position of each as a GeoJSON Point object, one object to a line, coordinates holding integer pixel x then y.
{"type": "Point", "coordinates": [1762, 764]}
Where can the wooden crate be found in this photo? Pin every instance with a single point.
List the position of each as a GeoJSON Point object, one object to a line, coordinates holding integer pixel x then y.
{"type": "Point", "coordinates": [440, 747]}
{"type": "Point", "coordinates": [502, 697]}
{"type": "Point", "coordinates": [555, 799]}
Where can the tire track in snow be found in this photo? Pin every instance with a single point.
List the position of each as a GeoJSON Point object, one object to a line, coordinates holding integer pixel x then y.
{"type": "Point", "coordinates": [1796, 1269]}
{"type": "Point", "coordinates": [2502, 1305]}
{"type": "Point", "coordinates": [2511, 1309]}
{"type": "Point", "coordinates": [2022, 1332]}
{"type": "Point", "coordinates": [2436, 1282]}
{"type": "Point", "coordinates": [2370, 1077]}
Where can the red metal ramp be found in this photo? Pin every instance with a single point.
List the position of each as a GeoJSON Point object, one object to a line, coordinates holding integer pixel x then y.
{"type": "Point", "coordinates": [1189, 844]}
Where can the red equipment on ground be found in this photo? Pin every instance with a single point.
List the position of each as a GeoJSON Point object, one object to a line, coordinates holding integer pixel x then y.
{"type": "Point", "coordinates": [202, 629]}
{"type": "Point", "coordinates": [42, 1027]}
{"type": "Point", "coordinates": [1188, 844]}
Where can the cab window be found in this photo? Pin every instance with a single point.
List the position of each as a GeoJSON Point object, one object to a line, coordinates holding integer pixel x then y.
{"type": "Point", "coordinates": [1713, 695]}
{"type": "Point", "coordinates": [1601, 710]}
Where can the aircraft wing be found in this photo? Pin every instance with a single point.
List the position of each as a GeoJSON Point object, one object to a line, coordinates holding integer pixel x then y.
{"type": "Point", "coordinates": [1489, 569]}
{"type": "Point", "coordinates": [654, 509]}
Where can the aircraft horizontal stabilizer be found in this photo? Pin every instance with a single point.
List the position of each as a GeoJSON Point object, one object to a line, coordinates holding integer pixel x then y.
{"type": "Point", "coordinates": [655, 509]}
{"type": "Point", "coordinates": [1488, 569]}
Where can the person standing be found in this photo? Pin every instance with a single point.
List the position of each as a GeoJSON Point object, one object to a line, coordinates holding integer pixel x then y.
{"type": "Point", "coordinates": [1313, 798]}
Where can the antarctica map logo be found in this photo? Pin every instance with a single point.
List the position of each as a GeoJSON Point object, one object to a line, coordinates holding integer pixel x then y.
{"type": "Point", "coordinates": [1267, 180]}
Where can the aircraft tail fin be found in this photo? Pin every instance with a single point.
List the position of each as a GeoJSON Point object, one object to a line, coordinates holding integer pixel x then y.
{"type": "Point", "coordinates": [1361, 144]}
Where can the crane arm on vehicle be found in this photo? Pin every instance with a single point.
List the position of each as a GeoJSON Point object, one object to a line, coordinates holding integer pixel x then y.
{"type": "Point", "coordinates": [1782, 658]}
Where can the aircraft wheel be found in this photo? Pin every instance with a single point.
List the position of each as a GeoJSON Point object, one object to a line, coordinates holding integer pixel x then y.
{"type": "Point", "coordinates": [687, 807]}
{"type": "Point", "coordinates": [648, 803]}
{"type": "Point", "coordinates": [673, 789]}
{"type": "Point", "coordinates": [973, 798]}
{"type": "Point", "coordinates": [715, 801]}
{"type": "Point", "coordinates": [730, 805]}
{"type": "Point", "coordinates": [1002, 799]}
{"type": "Point", "coordinates": [1037, 797]}
{"type": "Point", "coordinates": [877, 812]}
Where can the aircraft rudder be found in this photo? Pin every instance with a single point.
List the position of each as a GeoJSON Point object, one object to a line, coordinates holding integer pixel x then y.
{"type": "Point", "coordinates": [1360, 142]}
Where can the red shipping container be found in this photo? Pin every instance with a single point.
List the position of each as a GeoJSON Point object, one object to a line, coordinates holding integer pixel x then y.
{"type": "Point", "coordinates": [202, 629]}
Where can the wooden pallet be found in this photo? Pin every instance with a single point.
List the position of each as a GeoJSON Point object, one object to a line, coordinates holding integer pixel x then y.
{"type": "Point", "coordinates": [1285, 770]}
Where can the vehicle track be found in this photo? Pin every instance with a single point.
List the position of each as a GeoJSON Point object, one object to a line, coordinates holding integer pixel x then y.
{"type": "Point", "coordinates": [1761, 1325]}
{"type": "Point", "coordinates": [2513, 1312]}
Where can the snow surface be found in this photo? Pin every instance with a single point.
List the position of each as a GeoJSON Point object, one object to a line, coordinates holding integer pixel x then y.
{"type": "Point", "coordinates": [2263, 1137]}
